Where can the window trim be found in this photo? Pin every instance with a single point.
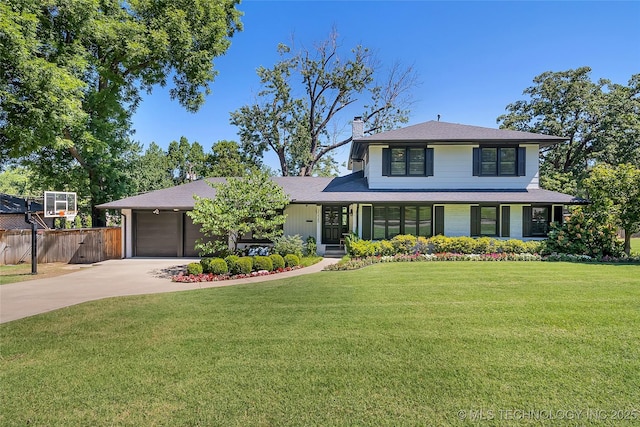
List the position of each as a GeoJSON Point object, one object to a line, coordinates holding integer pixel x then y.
{"type": "Point", "coordinates": [520, 160]}
{"type": "Point", "coordinates": [387, 159]}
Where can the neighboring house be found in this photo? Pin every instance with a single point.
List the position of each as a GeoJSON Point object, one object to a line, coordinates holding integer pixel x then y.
{"type": "Point", "coordinates": [427, 179]}
{"type": "Point", "coordinates": [12, 214]}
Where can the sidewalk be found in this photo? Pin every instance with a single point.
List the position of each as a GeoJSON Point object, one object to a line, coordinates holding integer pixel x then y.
{"type": "Point", "coordinates": [112, 278]}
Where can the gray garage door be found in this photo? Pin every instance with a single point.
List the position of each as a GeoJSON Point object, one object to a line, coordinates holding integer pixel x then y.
{"type": "Point", "coordinates": [156, 235]}
{"type": "Point", "coordinates": [191, 234]}
{"type": "Point", "coordinates": [165, 234]}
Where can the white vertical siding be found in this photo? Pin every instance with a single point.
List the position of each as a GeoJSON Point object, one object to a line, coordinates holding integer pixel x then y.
{"type": "Point", "coordinates": [515, 218]}
{"type": "Point", "coordinates": [457, 220]}
{"type": "Point", "coordinates": [302, 220]}
{"type": "Point", "coordinates": [453, 170]}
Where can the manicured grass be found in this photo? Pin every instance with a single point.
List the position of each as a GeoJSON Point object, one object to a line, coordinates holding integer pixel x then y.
{"type": "Point", "coordinates": [391, 344]}
{"type": "Point", "coordinates": [635, 245]}
{"type": "Point", "coordinates": [22, 272]}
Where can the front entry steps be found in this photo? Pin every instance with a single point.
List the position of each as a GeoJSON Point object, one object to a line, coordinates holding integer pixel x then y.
{"type": "Point", "coordinates": [334, 251]}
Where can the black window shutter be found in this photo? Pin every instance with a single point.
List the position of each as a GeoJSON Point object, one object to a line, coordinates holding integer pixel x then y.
{"type": "Point", "coordinates": [386, 161]}
{"type": "Point", "coordinates": [438, 226]}
{"type": "Point", "coordinates": [366, 223]}
{"type": "Point", "coordinates": [476, 162]}
{"type": "Point", "coordinates": [429, 159]}
{"type": "Point", "coordinates": [475, 220]}
{"type": "Point", "coordinates": [506, 221]}
{"type": "Point", "coordinates": [557, 214]}
{"type": "Point", "coordinates": [522, 161]}
{"type": "Point", "coordinates": [527, 213]}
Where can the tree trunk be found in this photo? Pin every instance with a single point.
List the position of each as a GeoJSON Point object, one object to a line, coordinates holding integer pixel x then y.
{"type": "Point", "coordinates": [627, 242]}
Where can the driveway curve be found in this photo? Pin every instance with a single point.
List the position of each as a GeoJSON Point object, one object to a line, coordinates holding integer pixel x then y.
{"type": "Point", "coordinates": [112, 278]}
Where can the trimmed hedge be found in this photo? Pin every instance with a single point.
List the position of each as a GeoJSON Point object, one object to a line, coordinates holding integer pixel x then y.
{"type": "Point", "coordinates": [407, 244]}
{"type": "Point", "coordinates": [262, 263]}
{"type": "Point", "coordinates": [278, 261]}
{"type": "Point", "coordinates": [291, 260]}
{"type": "Point", "coordinates": [194, 268]}
{"type": "Point", "coordinates": [232, 264]}
{"type": "Point", "coordinates": [244, 265]}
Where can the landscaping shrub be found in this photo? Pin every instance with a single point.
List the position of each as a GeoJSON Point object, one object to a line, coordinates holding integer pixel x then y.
{"type": "Point", "coordinates": [311, 248]}
{"type": "Point", "coordinates": [422, 245]}
{"type": "Point", "coordinates": [204, 262]}
{"type": "Point", "coordinates": [244, 265]}
{"type": "Point", "coordinates": [291, 260]}
{"type": "Point", "coordinates": [217, 266]}
{"type": "Point", "coordinates": [232, 264]}
{"type": "Point", "coordinates": [289, 245]}
{"type": "Point", "coordinates": [358, 248]}
{"type": "Point", "coordinates": [258, 251]}
{"type": "Point", "coordinates": [262, 263]}
{"type": "Point", "coordinates": [194, 268]}
{"type": "Point", "coordinates": [582, 235]}
{"type": "Point", "coordinates": [385, 247]}
{"type": "Point", "coordinates": [278, 261]}
{"type": "Point", "coordinates": [404, 244]}
{"type": "Point", "coordinates": [438, 243]}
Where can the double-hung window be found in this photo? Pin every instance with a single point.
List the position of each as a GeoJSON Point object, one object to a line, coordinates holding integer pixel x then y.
{"type": "Point", "coordinates": [499, 161]}
{"type": "Point", "coordinates": [407, 161]}
{"type": "Point", "coordinates": [536, 220]}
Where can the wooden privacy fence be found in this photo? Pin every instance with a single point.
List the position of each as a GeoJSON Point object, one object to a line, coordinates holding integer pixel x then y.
{"type": "Point", "coordinates": [81, 246]}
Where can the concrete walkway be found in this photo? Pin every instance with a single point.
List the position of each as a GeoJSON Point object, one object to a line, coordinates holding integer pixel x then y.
{"type": "Point", "coordinates": [108, 279]}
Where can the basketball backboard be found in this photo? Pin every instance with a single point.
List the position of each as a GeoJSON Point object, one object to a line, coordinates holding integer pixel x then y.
{"type": "Point", "coordinates": [60, 204]}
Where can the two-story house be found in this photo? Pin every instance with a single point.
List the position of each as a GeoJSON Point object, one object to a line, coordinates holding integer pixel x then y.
{"type": "Point", "coordinates": [427, 179]}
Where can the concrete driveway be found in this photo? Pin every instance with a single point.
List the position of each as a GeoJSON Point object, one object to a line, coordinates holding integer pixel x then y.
{"type": "Point", "coordinates": [111, 278]}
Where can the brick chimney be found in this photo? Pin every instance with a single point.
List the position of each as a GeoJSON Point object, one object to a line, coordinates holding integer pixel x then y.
{"type": "Point", "coordinates": [357, 128]}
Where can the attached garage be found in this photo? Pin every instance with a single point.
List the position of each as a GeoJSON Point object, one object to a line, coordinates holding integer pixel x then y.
{"type": "Point", "coordinates": [164, 234]}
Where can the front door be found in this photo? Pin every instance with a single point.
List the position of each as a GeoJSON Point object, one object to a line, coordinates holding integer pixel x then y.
{"type": "Point", "coordinates": [335, 223]}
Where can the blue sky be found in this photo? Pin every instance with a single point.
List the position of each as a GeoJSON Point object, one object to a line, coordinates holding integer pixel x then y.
{"type": "Point", "coordinates": [472, 58]}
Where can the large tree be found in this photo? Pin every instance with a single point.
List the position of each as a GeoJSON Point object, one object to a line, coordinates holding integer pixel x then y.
{"type": "Point", "coordinates": [252, 204]}
{"type": "Point", "coordinates": [73, 73]}
{"type": "Point", "coordinates": [228, 160]}
{"type": "Point", "coordinates": [599, 120]}
{"type": "Point", "coordinates": [614, 193]}
{"type": "Point", "coordinates": [309, 91]}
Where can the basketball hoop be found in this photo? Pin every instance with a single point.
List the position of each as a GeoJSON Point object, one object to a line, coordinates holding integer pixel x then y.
{"type": "Point", "coordinates": [60, 204]}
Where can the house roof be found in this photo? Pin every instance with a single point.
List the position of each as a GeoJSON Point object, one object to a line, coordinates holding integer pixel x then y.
{"type": "Point", "coordinates": [15, 205]}
{"type": "Point", "coordinates": [351, 188]}
{"type": "Point", "coordinates": [433, 132]}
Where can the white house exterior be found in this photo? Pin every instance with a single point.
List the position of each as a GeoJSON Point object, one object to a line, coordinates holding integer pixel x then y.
{"type": "Point", "coordinates": [427, 179]}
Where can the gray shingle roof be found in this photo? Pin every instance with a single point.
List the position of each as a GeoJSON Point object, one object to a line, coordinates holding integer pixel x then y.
{"type": "Point", "coordinates": [15, 205]}
{"type": "Point", "coordinates": [433, 131]}
{"type": "Point", "coordinates": [351, 188]}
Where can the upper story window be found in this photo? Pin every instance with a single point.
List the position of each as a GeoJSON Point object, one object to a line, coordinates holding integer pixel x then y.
{"type": "Point", "coordinates": [499, 161]}
{"type": "Point", "coordinates": [407, 161]}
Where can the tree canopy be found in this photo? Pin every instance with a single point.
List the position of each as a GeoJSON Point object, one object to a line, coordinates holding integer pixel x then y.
{"type": "Point", "coordinates": [73, 73]}
{"type": "Point", "coordinates": [250, 205]}
{"type": "Point", "coordinates": [600, 120]}
{"type": "Point", "coordinates": [300, 123]}
{"type": "Point", "coordinates": [614, 193]}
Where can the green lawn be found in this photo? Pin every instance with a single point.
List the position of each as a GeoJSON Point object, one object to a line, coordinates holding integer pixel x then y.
{"type": "Point", "coordinates": [391, 344]}
{"type": "Point", "coordinates": [635, 245]}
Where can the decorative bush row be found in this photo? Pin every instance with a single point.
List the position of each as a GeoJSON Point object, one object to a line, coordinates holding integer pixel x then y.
{"type": "Point", "coordinates": [407, 244]}
{"type": "Point", "coordinates": [238, 266]}
{"type": "Point", "coordinates": [234, 264]}
{"type": "Point", "coordinates": [357, 263]}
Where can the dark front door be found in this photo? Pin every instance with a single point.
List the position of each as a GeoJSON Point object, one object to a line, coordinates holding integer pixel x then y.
{"type": "Point", "coordinates": [335, 223]}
